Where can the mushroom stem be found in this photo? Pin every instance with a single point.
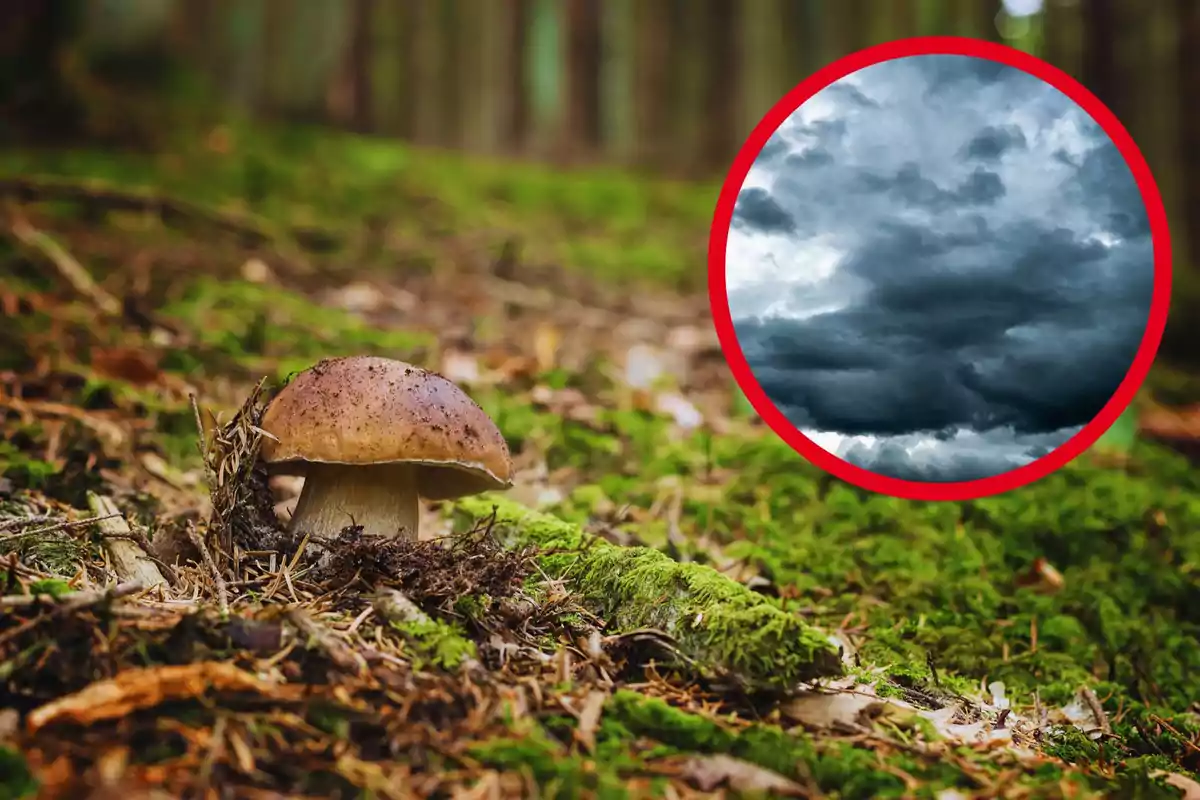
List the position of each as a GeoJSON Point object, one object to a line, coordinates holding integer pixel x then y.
{"type": "Point", "coordinates": [380, 497]}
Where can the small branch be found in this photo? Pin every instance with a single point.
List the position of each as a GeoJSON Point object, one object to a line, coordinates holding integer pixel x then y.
{"type": "Point", "coordinates": [18, 522]}
{"type": "Point", "coordinates": [250, 230]}
{"type": "Point", "coordinates": [77, 602]}
{"type": "Point", "coordinates": [218, 581]}
{"type": "Point", "coordinates": [80, 599]}
{"type": "Point", "coordinates": [1098, 712]}
{"type": "Point", "coordinates": [111, 198]}
{"type": "Point", "coordinates": [55, 528]}
{"type": "Point", "coordinates": [66, 264]}
{"type": "Point", "coordinates": [129, 559]}
{"type": "Point", "coordinates": [317, 634]}
{"type": "Point", "coordinates": [395, 607]}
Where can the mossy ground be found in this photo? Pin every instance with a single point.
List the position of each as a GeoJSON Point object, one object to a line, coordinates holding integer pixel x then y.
{"type": "Point", "coordinates": [916, 587]}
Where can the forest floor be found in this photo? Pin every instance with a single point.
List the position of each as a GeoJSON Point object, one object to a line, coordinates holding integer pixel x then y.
{"type": "Point", "coordinates": [669, 602]}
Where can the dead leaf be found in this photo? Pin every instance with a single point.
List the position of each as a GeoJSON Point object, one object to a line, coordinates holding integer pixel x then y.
{"type": "Point", "coordinates": [589, 719]}
{"type": "Point", "coordinates": [545, 345]}
{"type": "Point", "coordinates": [459, 367]}
{"type": "Point", "coordinates": [1171, 423]}
{"type": "Point", "coordinates": [136, 689]}
{"type": "Point", "coordinates": [359, 297]}
{"type": "Point", "coordinates": [707, 773]}
{"type": "Point", "coordinates": [255, 270]}
{"type": "Point", "coordinates": [158, 466]}
{"type": "Point", "coordinates": [1189, 787]}
{"type": "Point", "coordinates": [644, 367]}
{"type": "Point", "coordinates": [219, 140]}
{"type": "Point", "coordinates": [826, 709]}
{"type": "Point", "coordinates": [130, 364]}
{"type": "Point", "coordinates": [680, 409]}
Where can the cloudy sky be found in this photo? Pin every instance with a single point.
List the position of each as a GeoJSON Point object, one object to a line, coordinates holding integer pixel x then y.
{"type": "Point", "coordinates": [940, 268]}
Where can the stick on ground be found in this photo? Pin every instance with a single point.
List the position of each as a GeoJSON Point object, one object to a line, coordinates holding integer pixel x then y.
{"type": "Point", "coordinates": [66, 264]}
{"type": "Point", "coordinates": [129, 560]}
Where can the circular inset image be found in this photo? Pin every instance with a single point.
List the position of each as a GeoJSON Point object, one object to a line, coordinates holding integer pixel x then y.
{"type": "Point", "coordinates": [940, 268]}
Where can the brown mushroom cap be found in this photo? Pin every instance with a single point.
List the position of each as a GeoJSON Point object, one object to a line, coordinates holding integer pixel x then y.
{"type": "Point", "coordinates": [367, 410]}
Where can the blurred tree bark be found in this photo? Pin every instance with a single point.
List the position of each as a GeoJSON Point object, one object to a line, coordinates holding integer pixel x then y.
{"type": "Point", "coordinates": [655, 39]}
{"type": "Point", "coordinates": [36, 36]}
{"type": "Point", "coordinates": [1099, 70]}
{"type": "Point", "coordinates": [719, 122]}
{"type": "Point", "coordinates": [351, 96]}
{"type": "Point", "coordinates": [619, 78]}
{"type": "Point", "coordinates": [1187, 84]}
{"type": "Point", "coordinates": [583, 76]}
{"type": "Point", "coordinates": [361, 51]}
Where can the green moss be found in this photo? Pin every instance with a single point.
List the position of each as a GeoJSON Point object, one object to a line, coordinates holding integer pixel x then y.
{"type": "Point", "coordinates": [56, 552]}
{"type": "Point", "coordinates": [440, 643]}
{"type": "Point", "coordinates": [840, 769]}
{"type": "Point", "coordinates": [559, 772]}
{"type": "Point", "coordinates": [253, 324]}
{"type": "Point", "coordinates": [55, 587]}
{"type": "Point", "coordinates": [16, 779]}
{"type": "Point", "coordinates": [717, 622]}
{"type": "Point", "coordinates": [23, 471]}
{"type": "Point", "coordinates": [600, 221]}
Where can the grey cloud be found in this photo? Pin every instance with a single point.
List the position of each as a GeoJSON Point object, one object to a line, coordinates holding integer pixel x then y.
{"type": "Point", "coordinates": [973, 305]}
{"type": "Point", "coordinates": [849, 94]}
{"type": "Point", "coordinates": [758, 210]}
{"type": "Point", "coordinates": [991, 143]}
{"type": "Point", "coordinates": [950, 456]}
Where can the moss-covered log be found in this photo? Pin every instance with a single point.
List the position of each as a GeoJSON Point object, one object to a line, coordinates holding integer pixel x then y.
{"type": "Point", "coordinates": [715, 621]}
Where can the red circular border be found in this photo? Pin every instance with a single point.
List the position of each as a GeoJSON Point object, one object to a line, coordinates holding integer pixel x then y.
{"type": "Point", "coordinates": [960, 490]}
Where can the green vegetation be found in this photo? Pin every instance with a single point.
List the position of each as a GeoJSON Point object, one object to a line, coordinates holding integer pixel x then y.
{"type": "Point", "coordinates": [16, 781]}
{"type": "Point", "coordinates": [601, 222]}
{"type": "Point", "coordinates": [1087, 578]}
{"type": "Point", "coordinates": [716, 622]}
{"type": "Point", "coordinates": [438, 642]}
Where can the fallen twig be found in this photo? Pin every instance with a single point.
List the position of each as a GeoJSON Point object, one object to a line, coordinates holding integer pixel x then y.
{"type": "Point", "coordinates": [17, 522]}
{"type": "Point", "coordinates": [135, 689]}
{"type": "Point", "coordinates": [58, 526]}
{"type": "Point", "coordinates": [337, 650]}
{"type": "Point", "coordinates": [395, 606]}
{"type": "Point", "coordinates": [218, 581]}
{"type": "Point", "coordinates": [130, 561]}
{"type": "Point", "coordinates": [79, 602]}
{"type": "Point", "coordinates": [168, 209]}
{"type": "Point", "coordinates": [78, 599]}
{"type": "Point", "coordinates": [1098, 712]}
{"type": "Point", "coordinates": [66, 264]}
{"type": "Point", "coordinates": [250, 230]}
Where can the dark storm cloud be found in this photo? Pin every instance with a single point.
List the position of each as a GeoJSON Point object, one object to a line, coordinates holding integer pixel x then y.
{"type": "Point", "coordinates": [949, 73]}
{"type": "Point", "coordinates": [812, 157]}
{"type": "Point", "coordinates": [1031, 329]}
{"type": "Point", "coordinates": [756, 209]}
{"type": "Point", "coordinates": [981, 187]}
{"type": "Point", "coordinates": [993, 269]}
{"type": "Point", "coordinates": [991, 143]}
{"type": "Point", "coordinates": [773, 150]}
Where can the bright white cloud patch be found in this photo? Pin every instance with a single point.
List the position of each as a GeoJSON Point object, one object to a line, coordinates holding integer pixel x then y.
{"type": "Point", "coordinates": [940, 268]}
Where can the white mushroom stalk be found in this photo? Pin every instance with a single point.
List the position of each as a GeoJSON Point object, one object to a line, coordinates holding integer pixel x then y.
{"type": "Point", "coordinates": [382, 498]}
{"type": "Point", "coordinates": [373, 434]}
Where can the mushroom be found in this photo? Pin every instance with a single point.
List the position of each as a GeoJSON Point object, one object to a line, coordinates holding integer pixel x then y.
{"type": "Point", "coordinates": [370, 435]}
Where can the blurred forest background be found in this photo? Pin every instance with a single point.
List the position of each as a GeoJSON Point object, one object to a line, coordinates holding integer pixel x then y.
{"type": "Point", "coordinates": [669, 86]}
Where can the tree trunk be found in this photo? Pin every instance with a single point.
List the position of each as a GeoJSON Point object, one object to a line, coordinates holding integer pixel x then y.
{"type": "Point", "coordinates": [1100, 61]}
{"type": "Point", "coordinates": [1188, 26]}
{"type": "Point", "coordinates": [722, 133]}
{"type": "Point", "coordinates": [35, 101]}
{"type": "Point", "coordinates": [654, 41]}
{"type": "Point", "coordinates": [583, 76]}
